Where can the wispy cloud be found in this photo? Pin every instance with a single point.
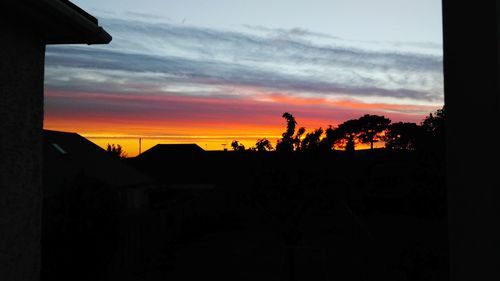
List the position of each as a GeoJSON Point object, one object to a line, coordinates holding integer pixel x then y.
{"type": "Point", "coordinates": [146, 16]}
{"type": "Point", "coordinates": [193, 54]}
{"type": "Point", "coordinates": [92, 69]}
{"type": "Point", "coordinates": [164, 73]}
{"type": "Point", "coordinates": [298, 33]}
{"type": "Point", "coordinates": [292, 32]}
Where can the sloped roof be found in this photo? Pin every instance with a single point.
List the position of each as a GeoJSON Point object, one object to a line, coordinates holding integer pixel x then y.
{"type": "Point", "coordinates": [58, 21]}
{"type": "Point", "coordinates": [165, 150]}
{"type": "Point", "coordinates": [69, 154]}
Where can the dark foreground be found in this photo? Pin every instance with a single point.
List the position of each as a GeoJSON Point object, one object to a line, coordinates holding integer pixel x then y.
{"type": "Point", "coordinates": [258, 216]}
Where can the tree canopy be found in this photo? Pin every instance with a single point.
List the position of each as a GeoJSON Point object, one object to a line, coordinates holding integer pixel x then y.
{"type": "Point", "coordinates": [371, 128]}
{"type": "Point", "coordinates": [263, 145]}
{"type": "Point", "coordinates": [236, 146]}
{"type": "Point", "coordinates": [311, 142]}
{"type": "Point", "coordinates": [403, 135]}
{"type": "Point", "coordinates": [116, 150]}
{"type": "Point", "coordinates": [347, 133]}
{"type": "Point", "coordinates": [367, 129]}
{"type": "Point", "coordinates": [286, 144]}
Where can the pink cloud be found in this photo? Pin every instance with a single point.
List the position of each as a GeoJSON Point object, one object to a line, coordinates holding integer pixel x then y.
{"type": "Point", "coordinates": [188, 115]}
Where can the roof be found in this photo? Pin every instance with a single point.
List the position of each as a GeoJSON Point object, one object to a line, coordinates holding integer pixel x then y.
{"type": "Point", "coordinates": [58, 21]}
{"type": "Point", "coordinates": [173, 163]}
{"type": "Point", "coordinates": [162, 150]}
{"type": "Point", "coordinates": [67, 155]}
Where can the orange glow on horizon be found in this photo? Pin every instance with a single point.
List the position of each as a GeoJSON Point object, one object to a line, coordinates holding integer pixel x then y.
{"type": "Point", "coordinates": [127, 134]}
{"type": "Point", "coordinates": [131, 145]}
{"type": "Point", "coordinates": [210, 139]}
{"type": "Point", "coordinates": [210, 123]}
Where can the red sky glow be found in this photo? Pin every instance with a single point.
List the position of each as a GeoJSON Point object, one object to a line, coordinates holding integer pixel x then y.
{"type": "Point", "coordinates": [169, 81]}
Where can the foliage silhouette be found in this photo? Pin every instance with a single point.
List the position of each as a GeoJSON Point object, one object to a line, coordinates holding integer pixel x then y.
{"type": "Point", "coordinates": [347, 133]}
{"type": "Point", "coordinates": [368, 129]}
{"type": "Point", "coordinates": [286, 144]}
{"type": "Point", "coordinates": [116, 150]}
{"type": "Point", "coordinates": [298, 138]}
{"type": "Point", "coordinates": [403, 135]}
{"type": "Point", "coordinates": [237, 146]}
{"type": "Point", "coordinates": [371, 128]}
{"type": "Point", "coordinates": [263, 145]}
{"type": "Point", "coordinates": [311, 141]}
{"type": "Point", "coordinates": [433, 127]}
{"type": "Point", "coordinates": [331, 137]}
{"type": "Point", "coordinates": [434, 124]}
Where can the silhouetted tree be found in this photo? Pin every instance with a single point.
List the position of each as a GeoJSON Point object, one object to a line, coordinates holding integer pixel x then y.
{"type": "Point", "coordinates": [346, 134]}
{"type": "Point", "coordinates": [311, 141]}
{"type": "Point", "coordinates": [350, 146]}
{"type": "Point", "coordinates": [297, 138]}
{"type": "Point", "coordinates": [433, 124]}
{"type": "Point", "coordinates": [433, 128]}
{"type": "Point", "coordinates": [290, 125]}
{"type": "Point", "coordinates": [116, 150]}
{"type": "Point", "coordinates": [241, 147]}
{"type": "Point", "coordinates": [263, 145]}
{"type": "Point", "coordinates": [332, 136]}
{"type": "Point", "coordinates": [371, 128]}
{"type": "Point", "coordinates": [286, 144]}
{"type": "Point", "coordinates": [237, 146]}
{"type": "Point", "coordinates": [403, 136]}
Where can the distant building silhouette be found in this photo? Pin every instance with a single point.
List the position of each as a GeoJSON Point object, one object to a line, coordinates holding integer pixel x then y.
{"type": "Point", "coordinates": [85, 193]}
{"type": "Point", "coordinates": [166, 150]}
{"type": "Point", "coordinates": [173, 163]}
{"type": "Point", "coordinates": [69, 155]}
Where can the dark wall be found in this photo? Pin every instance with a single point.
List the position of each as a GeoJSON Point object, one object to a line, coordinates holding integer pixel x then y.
{"type": "Point", "coordinates": [470, 37]}
{"type": "Point", "coordinates": [21, 120]}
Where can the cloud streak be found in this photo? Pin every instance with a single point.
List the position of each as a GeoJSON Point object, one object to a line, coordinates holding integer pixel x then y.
{"type": "Point", "coordinates": [163, 73]}
{"type": "Point", "coordinates": [198, 54]}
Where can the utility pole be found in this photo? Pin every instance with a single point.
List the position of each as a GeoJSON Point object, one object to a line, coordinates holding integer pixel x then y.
{"type": "Point", "coordinates": [140, 144]}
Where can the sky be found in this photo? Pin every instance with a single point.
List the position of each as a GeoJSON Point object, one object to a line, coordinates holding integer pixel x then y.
{"type": "Point", "coordinates": [209, 72]}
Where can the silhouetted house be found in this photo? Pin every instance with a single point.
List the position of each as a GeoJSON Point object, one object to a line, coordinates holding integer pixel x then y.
{"type": "Point", "coordinates": [26, 27]}
{"type": "Point", "coordinates": [174, 163]}
{"type": "Point", "coordinates": [171, 150]}
{"type": "Point", "coordinates": [70, 159]}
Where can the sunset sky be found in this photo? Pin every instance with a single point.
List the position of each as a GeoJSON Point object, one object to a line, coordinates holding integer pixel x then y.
{"type": "Point", "coordinates": [209, 72]}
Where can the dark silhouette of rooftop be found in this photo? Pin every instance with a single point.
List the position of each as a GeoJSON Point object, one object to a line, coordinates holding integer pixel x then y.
{"type": "Point", "coordinates": [165, 150]}
{"type": "Point", "coordinates": [60, 21]}
{"type": "Point", "coordinates": [69, 154]}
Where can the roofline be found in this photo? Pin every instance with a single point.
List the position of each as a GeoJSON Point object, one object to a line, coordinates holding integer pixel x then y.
{"type": "Point", "coordinates": [58, 21]}
{"type": "Point", "coordinates": [72, 13]}
{"type": "Point", "coordinates": [80, 11]}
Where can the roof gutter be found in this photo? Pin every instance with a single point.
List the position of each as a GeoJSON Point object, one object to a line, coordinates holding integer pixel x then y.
{"type": "Point", "coordinates": [88, 25]}
{"type": "Point", "coordinates": [57, 21]}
